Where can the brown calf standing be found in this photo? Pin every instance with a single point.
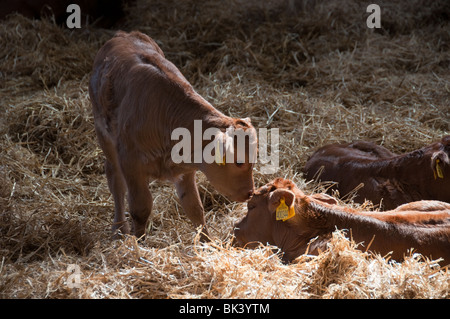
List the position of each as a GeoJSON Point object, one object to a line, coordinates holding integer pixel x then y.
{"type": "Point", "coordinates": [138, 99]}
{"type": "Point", "coordinates": [388, 178]}
{"type": "Point", "coordinates": [318, 216]}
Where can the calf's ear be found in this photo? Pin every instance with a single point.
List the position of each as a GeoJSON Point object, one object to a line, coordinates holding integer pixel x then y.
{"type": "Point", "coordinates": [276, 196]}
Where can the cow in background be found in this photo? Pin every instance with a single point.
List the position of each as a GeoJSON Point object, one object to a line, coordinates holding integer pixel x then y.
{"type": "Point", "coordinates": [387, 178]}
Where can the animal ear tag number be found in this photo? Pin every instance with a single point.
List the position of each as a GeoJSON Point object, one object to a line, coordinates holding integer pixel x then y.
{"type": "Point", "coordinates": [438, 172]}
{"type": "Point", "coordinates": [283, 212]}
{"type": "Point", "coordinates": [220, 160]}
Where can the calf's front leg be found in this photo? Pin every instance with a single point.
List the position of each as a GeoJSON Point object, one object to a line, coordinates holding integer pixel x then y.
{"type": "Point", "coordinates": [190, 201]}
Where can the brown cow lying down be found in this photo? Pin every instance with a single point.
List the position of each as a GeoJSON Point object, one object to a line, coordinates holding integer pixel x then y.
{"type": "Point", "coordinates": [139, 100]}
{"type": "Point", "coordinates": [387, 177]}
{"type": "Point", "coordinates": [424, 226]}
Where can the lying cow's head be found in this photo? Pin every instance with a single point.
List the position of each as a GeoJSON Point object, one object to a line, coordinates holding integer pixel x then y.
{"type": "Point", "coordinates": [231, 173]}
{"type": "Point", "coordinates": [265, 222]}
{"type": "Point", "coordinates": [259, 225]}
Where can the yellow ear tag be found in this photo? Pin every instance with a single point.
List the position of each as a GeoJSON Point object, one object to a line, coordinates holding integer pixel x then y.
{"type": "Point", "coordinates": [283, 212]}
{"type": "Point", "coordinates": [439, 172]}
{"type": "Point", "coordinates": [218, 159]}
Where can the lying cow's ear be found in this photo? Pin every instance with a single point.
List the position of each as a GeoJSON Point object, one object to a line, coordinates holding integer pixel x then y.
{"type": "Point", "coordinates": [438, 160]}
{"type": "Point", "coordinates": [276, 196]}
{"type": "Point", "coordinates": [325, 198]}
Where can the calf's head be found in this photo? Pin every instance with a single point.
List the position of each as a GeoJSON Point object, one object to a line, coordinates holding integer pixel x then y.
{"type": "Point", "coordinates": [231, 172]}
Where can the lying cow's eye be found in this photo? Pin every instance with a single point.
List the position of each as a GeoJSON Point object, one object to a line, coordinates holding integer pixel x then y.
{"type": "Point", "coordinates": [250, 206]}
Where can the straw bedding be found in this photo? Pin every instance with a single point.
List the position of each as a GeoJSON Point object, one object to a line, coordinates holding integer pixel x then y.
{"type": "Point", "coordinates": [310, 68]}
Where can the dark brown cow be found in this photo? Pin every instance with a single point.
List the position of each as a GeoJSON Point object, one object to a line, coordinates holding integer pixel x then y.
{"type": "Point", "coordinates": [139, 98]}
{"type": "Point", "coordinates": [424, 226]}
{"type": "Point", "coordinates": [388, 178]}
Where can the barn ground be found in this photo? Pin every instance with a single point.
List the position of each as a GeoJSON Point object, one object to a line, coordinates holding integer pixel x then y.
{"type": "Point", "coordinates": [310, 68]}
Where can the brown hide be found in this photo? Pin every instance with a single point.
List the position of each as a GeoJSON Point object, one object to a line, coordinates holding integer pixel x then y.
{"type": "Point", "coordinates": [391, 179]}
{"type": "Point", "coordinates": [424, 226]}
{"type": "Point", "coordinates": [139, 98]}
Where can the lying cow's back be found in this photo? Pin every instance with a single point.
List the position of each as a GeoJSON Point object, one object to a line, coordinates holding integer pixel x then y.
{"type": "Point", "coordinates": [381, 176]}
{"type": "Point", "coordinates": [335, 162]}
{"type": "Point", "coordinates": [341, 154]}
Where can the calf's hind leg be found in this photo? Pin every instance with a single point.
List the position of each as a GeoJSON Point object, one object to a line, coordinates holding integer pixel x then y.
{"type": "Point", "coordinates": [140, 199]}
{"type": "Point", "coordinates": [116, 182]}
{"type": "Point", "coordinates": [117, 187]}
